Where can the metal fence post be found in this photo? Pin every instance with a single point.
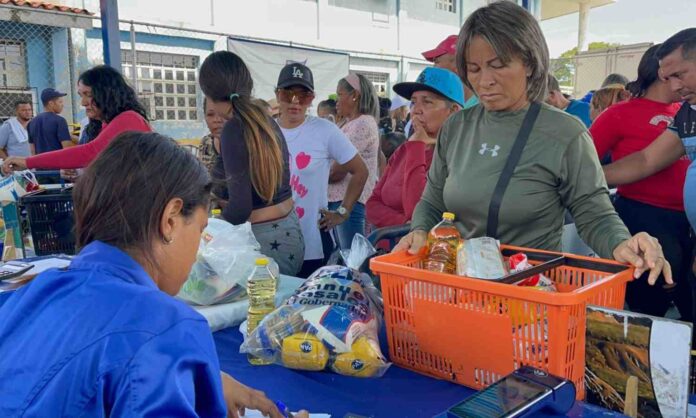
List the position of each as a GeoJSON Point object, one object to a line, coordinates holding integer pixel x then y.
{"type": "Point", "coordinates": [135, 58]}
{"type": "Point", "coordinates": [111, 33]}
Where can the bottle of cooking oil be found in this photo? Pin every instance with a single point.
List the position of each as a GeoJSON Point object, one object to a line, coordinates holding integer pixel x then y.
{"type": "Point", "coordinates": [261, 287]}
{"type": "Point", "coordinates": [443, 241]}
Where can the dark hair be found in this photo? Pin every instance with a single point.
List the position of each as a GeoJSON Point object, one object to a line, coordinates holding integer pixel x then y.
{"type": "Point", "coordinates": [91, 131]}
{"type": "Point", "coordinates": [329, 104]}
{"type": "Point", "coordinates": [225, 78]}
{"type": "Point", "coordinates": [22, 102]}
{"type": "Point", "coordinates": [384, 105]}
{"type": "Point", "coordinates": [648, 70]}
{"type": "Point", "coordinates": [389, 142]}
{"type": "Point", "coordinates": [112, 95]}
{"type": "Point", "coordinates": [686, 39]}
{"type": "Point", "coordinates": [109, 198]}
{"type": "Point", "coordinates": [552, 84]}
{"type": "Point", "coordinates": [615, 78]}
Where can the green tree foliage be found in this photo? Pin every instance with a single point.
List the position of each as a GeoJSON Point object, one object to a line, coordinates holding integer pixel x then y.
{"type": "Point", "coordinates": [564, 66]}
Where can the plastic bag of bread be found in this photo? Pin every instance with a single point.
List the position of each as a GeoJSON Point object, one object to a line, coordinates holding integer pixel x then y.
{"type": "Point", "coordinates": [331, 323]}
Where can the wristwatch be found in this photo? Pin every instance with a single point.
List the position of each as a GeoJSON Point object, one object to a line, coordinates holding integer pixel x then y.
{"type": "Point", "coordinates": [342, 211]}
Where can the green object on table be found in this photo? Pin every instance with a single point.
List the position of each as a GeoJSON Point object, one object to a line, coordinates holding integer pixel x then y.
{"type": "Point", "coordinates": [10, 214]}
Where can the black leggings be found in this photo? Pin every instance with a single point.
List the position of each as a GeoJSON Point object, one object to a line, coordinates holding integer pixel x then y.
{"type": "Point", "coordinates": [673, 231]}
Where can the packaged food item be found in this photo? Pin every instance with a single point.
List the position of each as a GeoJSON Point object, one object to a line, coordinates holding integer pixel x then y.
{"type": "Point", "coordinates": [304, 351]}
{"type": "Point", "coordinates": [480, 258]}
{"type": "Point", "coordinates": [363, 360]}
{"type": "Point", "coordinates": [443, 241]}
{"type": "Point", "coordinates": [519, 262]}
{"type": "Point", "coordinates": [332, 322]}
{"type": "Point", "coordinates": [261, 287]}
{"type": "Point", "coordinates": [226, 257]}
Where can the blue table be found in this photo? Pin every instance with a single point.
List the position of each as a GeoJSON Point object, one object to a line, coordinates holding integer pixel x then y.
{"type": "Point", "coordinates": [399, 393]}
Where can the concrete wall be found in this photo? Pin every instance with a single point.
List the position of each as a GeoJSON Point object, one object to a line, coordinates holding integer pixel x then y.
{"type": "Point", "coordinates": [355, 25]}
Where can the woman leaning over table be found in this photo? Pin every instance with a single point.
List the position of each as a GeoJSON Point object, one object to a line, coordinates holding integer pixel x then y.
{"type": "Point", "coordinates": [105, 337]}
{"type": "Point", "coordinates": [502, 55]}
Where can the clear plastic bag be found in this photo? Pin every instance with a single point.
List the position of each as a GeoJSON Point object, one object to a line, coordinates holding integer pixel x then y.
{"type": "Point", "coordinates": [226, 256]}
{"type": "Point", "coordinates": [332, 322]}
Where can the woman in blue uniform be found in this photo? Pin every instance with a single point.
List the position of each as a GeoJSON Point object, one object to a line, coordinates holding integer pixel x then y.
{"type": "Point", "coordinates": [104, 337]}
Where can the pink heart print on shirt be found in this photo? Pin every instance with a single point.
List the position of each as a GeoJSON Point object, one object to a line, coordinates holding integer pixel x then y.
{"type": "Point", "coordinates": [302, 160]}
{"type": "Point", "coordinates": [300, 212]}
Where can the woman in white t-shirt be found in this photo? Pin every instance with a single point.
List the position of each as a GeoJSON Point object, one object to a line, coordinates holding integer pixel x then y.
{"type": "Point", "coordinates": [314, 143]}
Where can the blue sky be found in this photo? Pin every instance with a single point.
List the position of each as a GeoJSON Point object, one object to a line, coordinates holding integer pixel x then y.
{"type": "Point", "coordinates": [625, 22]}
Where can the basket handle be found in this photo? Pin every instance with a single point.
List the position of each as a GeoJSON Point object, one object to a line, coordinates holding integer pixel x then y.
{"type": "Point", "coordinates": [538, 269]}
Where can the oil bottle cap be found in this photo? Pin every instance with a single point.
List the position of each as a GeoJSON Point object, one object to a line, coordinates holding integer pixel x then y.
{"type": "Point", "coordinates": [261, 262]}
{"type": "Point", "coordinates": [448, 215]}
{"type": "Point", "coordinates": [216, 212]}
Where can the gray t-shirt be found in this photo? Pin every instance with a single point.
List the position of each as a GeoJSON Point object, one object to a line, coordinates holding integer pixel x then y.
{"type": "Point", "coordinates": [558, 170]}
{"type": "Point", "coordinates": [14, 139]}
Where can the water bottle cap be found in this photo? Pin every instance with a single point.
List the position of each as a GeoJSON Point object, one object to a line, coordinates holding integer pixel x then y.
{"type": "Point", "coordinates": [262, 262]}
{"type": "Point", "coordinates": [448, 215]}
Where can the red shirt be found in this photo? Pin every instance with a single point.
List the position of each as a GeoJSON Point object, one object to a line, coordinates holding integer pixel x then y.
{"type": "Point", "coordinates": [81, 155]}
{"type": "Point", "coordinates": [401, 186]}
{"type": "Point", "coordinates": [631, 126]}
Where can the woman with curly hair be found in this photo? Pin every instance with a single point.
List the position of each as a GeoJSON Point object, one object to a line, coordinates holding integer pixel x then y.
{"type": "Point", "coordinates": [112, 107]}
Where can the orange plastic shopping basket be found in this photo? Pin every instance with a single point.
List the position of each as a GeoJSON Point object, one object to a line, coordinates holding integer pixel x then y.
{"type": "Point", "coordinates": [474, 332]}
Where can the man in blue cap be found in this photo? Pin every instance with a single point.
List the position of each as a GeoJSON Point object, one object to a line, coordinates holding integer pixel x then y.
{"type": "Point", "coordinates": [49, 131]}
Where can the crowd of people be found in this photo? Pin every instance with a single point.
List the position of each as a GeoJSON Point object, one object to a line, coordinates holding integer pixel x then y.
{"type": "Point", "coordinates": [486, 134]}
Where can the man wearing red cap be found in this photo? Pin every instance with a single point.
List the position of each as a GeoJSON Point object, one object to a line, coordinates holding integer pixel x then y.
{"type": "Point", "coordinates": [444, 56]}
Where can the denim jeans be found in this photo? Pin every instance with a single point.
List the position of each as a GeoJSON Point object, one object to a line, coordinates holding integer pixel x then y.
{"type": "Point", "coordinates": [355, 224]}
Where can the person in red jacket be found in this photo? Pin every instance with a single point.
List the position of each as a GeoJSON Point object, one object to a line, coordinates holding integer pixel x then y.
{"type": "Point", "coordinates": [655, 204]}
{"type": "Point", "coordinates": [435, 95]}
{"type": "Point", "coordinates": [112, 106]}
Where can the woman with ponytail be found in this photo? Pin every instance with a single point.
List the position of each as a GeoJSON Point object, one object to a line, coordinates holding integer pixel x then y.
{"type": "Point", "coordinates": [358, 108]}
{"type": "Point", "coordinates": [253, 173]}
{"type": "Point", "coordinates": [656, 204]}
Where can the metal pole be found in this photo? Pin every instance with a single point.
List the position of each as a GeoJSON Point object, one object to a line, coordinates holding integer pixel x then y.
{"type": "Point", "coordinates": [135, 58]}
{"type": "Point", "coordinates": [212, 12]}
{"type": "Point", "coordinates": [110, 33]}
{"type": "Point", "coordinates": [398, 26]}
{"type": "Point", "coordinates": [583, 22]}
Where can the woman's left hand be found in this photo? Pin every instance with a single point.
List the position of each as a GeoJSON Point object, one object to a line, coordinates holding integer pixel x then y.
{"type": "Point", "coordinates": [14, 164]}
{"type": "Point", "coordinates": [644, 253]}
{"type": "Point", "coordinates": [330, 219]}
{"type": "Point", "coordinates": [239, 398]}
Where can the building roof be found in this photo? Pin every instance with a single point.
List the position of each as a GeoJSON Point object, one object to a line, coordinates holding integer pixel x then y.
{"type": "Point", "coordinates": [555, 8]}
{"type": "Point", "coordinates": [46, 6]}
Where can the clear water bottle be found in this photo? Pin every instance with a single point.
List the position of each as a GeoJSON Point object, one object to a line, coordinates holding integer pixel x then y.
{"type": "Point", "coordinates": [261, 287]}
{"type": "Point", "coordinates": [443, 241]}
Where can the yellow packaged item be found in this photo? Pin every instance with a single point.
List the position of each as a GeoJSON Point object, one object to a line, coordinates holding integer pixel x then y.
{"type": "Point", "coordinates": [363, 360]}
{"type": "Point", "coordinates": [304, 351]}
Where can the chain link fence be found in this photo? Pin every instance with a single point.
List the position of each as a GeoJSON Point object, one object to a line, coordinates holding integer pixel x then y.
{"type": "Point", "coordinates": [32, 57]}
{"type": "Point", "coordinates": [161, 63]}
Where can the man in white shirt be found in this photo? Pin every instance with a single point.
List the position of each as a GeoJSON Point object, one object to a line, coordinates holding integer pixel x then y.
{"type": "Point", "coordinates": [14, 139]}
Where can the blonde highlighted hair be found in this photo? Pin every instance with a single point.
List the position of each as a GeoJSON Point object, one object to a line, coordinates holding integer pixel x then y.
{"type": "Point", "coordinates": [225, 77]}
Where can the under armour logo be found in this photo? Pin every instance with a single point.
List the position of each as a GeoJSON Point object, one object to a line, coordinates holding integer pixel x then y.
{"type": "Point", "coordinates": [494, 150]}
{"type": "Point", "coordinates": [297, 73]}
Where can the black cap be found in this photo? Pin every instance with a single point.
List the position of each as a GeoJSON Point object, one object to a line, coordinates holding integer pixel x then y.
{"type": "Point", "coordinates": [49, 94]}
{"type": "Point", "coordinates": [296, 74]}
